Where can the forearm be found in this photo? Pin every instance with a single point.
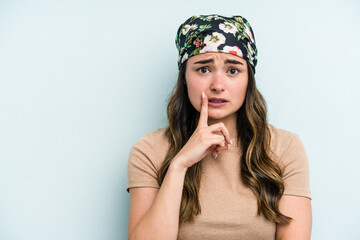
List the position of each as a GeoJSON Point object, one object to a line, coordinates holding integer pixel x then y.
{"type": "Point", "coordinates": [299, 209]}
{"type": "Point", "coordinates": [162, 219]}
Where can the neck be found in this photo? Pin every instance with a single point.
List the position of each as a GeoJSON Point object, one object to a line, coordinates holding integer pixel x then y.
{"type": "Point", "coordinates": [230, 124]}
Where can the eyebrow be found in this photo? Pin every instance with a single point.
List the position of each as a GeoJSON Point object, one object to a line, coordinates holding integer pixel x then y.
{"type": "Point", "coordinates": [212, 60]}
{"type": "Point", "coordinates": [233, 62]}
{"type": "Point", "coordinates": [205, 61]}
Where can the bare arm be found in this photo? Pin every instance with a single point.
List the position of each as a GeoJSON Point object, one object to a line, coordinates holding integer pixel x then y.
{"type": "Point", "coordinates": [299, 209]}
{"type": "Point", "coordinates": [154, 214]}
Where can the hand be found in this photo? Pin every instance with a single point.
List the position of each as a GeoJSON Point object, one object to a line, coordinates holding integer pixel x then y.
{"type": "Point", "coordinates": [204, 140]}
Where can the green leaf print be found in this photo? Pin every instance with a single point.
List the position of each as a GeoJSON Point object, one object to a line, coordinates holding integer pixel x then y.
{"type": "Point", "coordinates": [205, 19]}
{"type": "Point", "coordinates": [204, 27]}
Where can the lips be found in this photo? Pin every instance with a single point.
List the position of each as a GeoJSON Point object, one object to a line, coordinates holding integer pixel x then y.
{"type": "Point", "coordinates": [217, 102]}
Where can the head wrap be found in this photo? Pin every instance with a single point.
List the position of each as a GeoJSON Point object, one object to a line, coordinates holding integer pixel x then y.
{"type": "Point", "coordinates": [214, 33]}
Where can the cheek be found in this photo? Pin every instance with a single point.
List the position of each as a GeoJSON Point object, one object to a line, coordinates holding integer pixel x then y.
{"type": "Point", "coordinates": [239, 91]}
{"type": "Point", "coordinates": [194, 93]}
{"type": "Point", "coordinates": [194, 88]}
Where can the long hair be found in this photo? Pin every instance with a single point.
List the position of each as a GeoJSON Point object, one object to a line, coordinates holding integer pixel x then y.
{"type": "Point", "coordinates": [258, 170]}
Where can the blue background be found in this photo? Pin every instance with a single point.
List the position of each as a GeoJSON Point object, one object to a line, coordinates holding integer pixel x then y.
{"type": "Point", "coordinates": [81, 81]}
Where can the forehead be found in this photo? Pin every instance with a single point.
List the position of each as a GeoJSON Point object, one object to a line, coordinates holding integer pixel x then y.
{"type": "Point", "coordinates": [216, 56]}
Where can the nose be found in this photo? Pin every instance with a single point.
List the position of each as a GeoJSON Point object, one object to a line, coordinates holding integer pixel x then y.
{"type": "Point", "coordinates": [217, 84]}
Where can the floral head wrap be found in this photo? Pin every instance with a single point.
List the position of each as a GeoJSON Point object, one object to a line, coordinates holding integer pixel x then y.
{"type": "Point", "coordinates": [214, 33]}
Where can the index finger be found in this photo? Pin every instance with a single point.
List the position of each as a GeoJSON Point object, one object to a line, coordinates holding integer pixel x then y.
{"type": "Point", "coordinates": [203, 120]}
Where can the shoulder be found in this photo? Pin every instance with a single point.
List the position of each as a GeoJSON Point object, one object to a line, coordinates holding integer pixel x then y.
{"type": "Point", "coordinates": [279, 135]}
{"type": "Point", "coordinates": [155, 139]}
{"type": "Point", "coordinates": [284, 142]}
{"type": "Point", "coordinates": [291, 156]}
{"type": "Point", "coordinates": [152, 146]}
{"type": "Point", "coordinates": [145, 160]}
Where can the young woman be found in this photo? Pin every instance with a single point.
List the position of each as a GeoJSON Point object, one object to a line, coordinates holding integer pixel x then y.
{"type": "Point", "coordinates": [219, 170]}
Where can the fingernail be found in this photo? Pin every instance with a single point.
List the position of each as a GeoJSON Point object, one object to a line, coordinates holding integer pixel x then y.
{"type": "Point", "coordinates": [202, 95]}
{"type": "Point", "coordinates": [231, 142]}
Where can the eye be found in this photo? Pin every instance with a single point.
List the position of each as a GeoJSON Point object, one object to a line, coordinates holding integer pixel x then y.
{"type": "Point", "coordinates": [233, 71]}
{"type": "Point", "coordinates": [203, 70]}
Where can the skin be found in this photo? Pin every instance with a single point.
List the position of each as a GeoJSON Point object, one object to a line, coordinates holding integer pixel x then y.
{"type": "Point", "coordinates": [299, 209]}
{"type": "Point", "coordinates": [154, 213]}
{"type": "Point", "coordinates": [223, 76]}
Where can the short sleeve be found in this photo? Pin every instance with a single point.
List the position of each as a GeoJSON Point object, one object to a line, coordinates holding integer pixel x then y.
{"type": "Point", "coordinates": [141, 171]}
{"type": "Point", "coordinates": [295, 169]}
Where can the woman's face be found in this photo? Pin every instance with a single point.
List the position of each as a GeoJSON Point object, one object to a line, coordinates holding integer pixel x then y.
{"type": "Point", "coordinates": [222, 77]}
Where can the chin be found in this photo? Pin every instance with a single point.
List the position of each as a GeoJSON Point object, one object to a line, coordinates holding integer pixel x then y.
{"type": "Point", "coordinates": [219, 115]}
{"type": "Point", "coordinates": [216, 116]}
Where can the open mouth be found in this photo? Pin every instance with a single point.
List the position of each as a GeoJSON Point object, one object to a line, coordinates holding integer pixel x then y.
{"type": "Point", "coordinates": [217, 100]}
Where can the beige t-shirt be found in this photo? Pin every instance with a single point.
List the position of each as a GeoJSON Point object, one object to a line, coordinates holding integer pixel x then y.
{"type": "Point", "coordinates": [228, 207]}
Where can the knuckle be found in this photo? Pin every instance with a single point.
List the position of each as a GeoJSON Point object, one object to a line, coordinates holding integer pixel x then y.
{"type": "Point", "coordinates": [221, 125]}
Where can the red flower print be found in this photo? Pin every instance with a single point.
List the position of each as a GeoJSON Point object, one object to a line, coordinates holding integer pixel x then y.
{"type": "Point", "coordinates": [198, 43]}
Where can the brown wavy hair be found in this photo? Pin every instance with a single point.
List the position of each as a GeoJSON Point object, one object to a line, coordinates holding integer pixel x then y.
{"type": "Point", "coordinates": [258, 170]}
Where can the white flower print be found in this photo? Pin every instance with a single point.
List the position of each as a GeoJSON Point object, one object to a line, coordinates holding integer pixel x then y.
{"type": "Point", "coordinates": [194, 26]}
{"type": "Point", "coordinates": [187, 27]}
{"type": "Point", "coordinates": [209, 49]}
{"type": "Point", "coordinates": [233, 50]}
{"type": "Point", "coordinates": [228, 27]}
{"type": "Point", "coordinates": [216, 17]}
{"type": "Point", "coordinates": [212, 42]}
{"type": "Point", "coordinates": [185, 57]}
{"type": "Point", "coordinates": [210, 17]}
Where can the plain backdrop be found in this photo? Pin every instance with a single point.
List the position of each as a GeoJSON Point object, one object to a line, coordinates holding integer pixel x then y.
{"type": "Point", "coordinates": [81, 81]}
